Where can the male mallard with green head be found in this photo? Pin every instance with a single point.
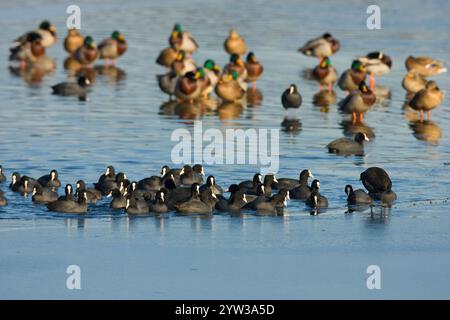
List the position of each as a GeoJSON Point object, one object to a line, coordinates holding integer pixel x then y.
{"type": "Point", "coordinates": [87, 53]}
{"type": "Point", "coordinates": [351, 78]}
{"type": "Point", "coordinates": [377, 64]}
{"type": "Point", "coordinates": [188, 87]}
{"type": "Point", "coordinates": [183, 64]}
{"type": "Point", "coordinates": [358, 102]}
{"type": "Point", "coordinates": [325, 74]}
{"type": "Point", "coordinates": [46, 30]}
{"type": "Point", "coordinates": [182, 40]}
{"type": "Point", "coordinates": [228, 88]}
{"type": "Point", "coordinates": [113, 47]}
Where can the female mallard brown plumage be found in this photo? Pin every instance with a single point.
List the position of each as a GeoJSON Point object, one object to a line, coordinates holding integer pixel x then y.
{"type": "Point", "coordinates": [182, 40]}
{"type": "Point", "coordinates": [358, 102]}
{"type": "Point", "coordinates": [73, 41]}
{"type": "Point", "coordinates": [325, 73]}
{"type": "Point", "coordinates": [188, 88]}
{"type": "Point", "coordinates": [413, 82]}
{"type": "Point", "coordinates": [377, 64]}
{"type": "Point", "coordinates": [427, 99]}
{"type": "Point", "coordinates": [87, 53]}
{"type": "Point", "coordinates": [425, 66]}
{"type": "Point", "coordinates": [321, 47]}
{"type": "Point", "coordinates": [167, 56]}
{"type": "Point", "coordinates": [254, 68]}
{"type": "Point", "coordinates": [228, 88]}
{"type": "Point", "coordinates": [351, 78]}
{"type": "Point", "coordinates": [113, 47]}
{"type": "Point", "coordinates": [235, 44]}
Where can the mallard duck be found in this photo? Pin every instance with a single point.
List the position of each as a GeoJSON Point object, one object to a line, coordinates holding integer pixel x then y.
{"type": "Point", "coordinates": [167, 83]}
{"type": "Point", "coordinates": [351, 78]}
{"type": "Point", "coordinates": [204, 82]}
{"type": "Point", "coordinates": [254, 68]}
{"type": "Point", "coordinates": [188, 87]}
{"type": "Point", "coordinates": [291, 98]}
{"type": "Point", "coordinates": [413, 82]}
{"type": "Point", "coordinates": [321, 47]}
{"type": "Point", "coordinates": [73, 41]}
{"type": "Point", "coordinates": [228, 88]}
{"type": "Point", "coordinates": [212, 71]}
{"type": "Point", "coordinates": [235, 44]}
{"type": "Point", "coordinates": [182, 40]}
{"type": "Point", "coordinates": [236, 64]}
{"type": "Point", "coordinates": [29, 52]}
{"type": "Point", "coordinates": [167, 56]}
{"type": "Point", "coordinates": [183, 64]}
{"type": "Point", "coordinates": [46, 30]}
{"type": "Point", "coordinates": [358, 102]}
{"type": "Point", "coordinates": [377, 64]}
{"type": "Point", "coordinates": [427, 99]}
{"type": "Point", "coordinates": [88, 52]}
{"type": "Point", "coordinates": [113, 47]}
{"type": "Point", "coordinates": [325, 74]}
{"type": "Point", "coordinates": [425, 66]}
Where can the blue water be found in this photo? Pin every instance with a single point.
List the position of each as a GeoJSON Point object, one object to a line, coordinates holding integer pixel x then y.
{"type": "Point", "coordinates": [294, 256]}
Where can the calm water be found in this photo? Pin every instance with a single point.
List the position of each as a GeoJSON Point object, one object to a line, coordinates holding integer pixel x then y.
{"type": "Point", "coordinates": [295, 256]}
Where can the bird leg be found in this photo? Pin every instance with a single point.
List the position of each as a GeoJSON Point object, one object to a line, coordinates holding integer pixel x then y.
{"type": "Point", "coordinates": [372, 81]}
{"type": "Point", "coordinates": [428, 115]}
{"type": "Point", "coordinates": [330, 87]}
{"type": "Point", "coordinates": [421, 115]}
{"type": "Point", "coordinates": [353, 117]}
{"type": "Point", "coordinates": [361, 117]}
{"type": "Point", "coordinates": [254, 85]}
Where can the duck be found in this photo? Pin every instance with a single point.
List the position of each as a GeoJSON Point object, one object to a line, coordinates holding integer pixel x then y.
{"type": "Point", "coordinates": [259, 196]}
{"type": "Point", "coordinates": [251, 184]}
{"type": "Point", "coordinates": [3, 200]}
{"type": "Point", "coordinates": [188, 88]}
{"type": "Point", "coordinates": [291, 98]}
{"type": "Point", "coordinates": [87, 54]}
{"type": "Point", "coordinates": [413, 82]}
{"type": "Point", "coordinates": [73, 41]}
{"type": "Point", "coordinates": [70, 206]}
{"type": "Point", "coordinates": [236, 202]}
{"type": "Point", "coordinates": [315, 199]}
{"type": "Point", "coordinates": [190, 175]}
{"type": "Point", "coordinates": [25, 185]}
{"type": "Point", "coordinates": [78, 89]}
{"type": "Point", "coordinates": [358, 102]}
{"type": "Point", "coordinates": [50, 180]}
{"type": "Point", "coordinates": [325, 74]}
{"type": "Point", "coordinates": [427, 99]}
{"type": "Point", "coordinates": [347, 146]}
{"type": "Point", "coordinates": [113, 47]}
{"type": "Point", "coordinates": [167, 83]}
{"type": "Point", "coordinates": [194, 205]}
{"type": "Point", "coordinates": [135, 206]}
{"type": "Point", "coordinates": [119, 199]}
{"type": "Point", "coordinates": [204, 82]}
{"type": "Point", "coordinates": [182, 40]}
{"type": "Point", "coordinates": [377, 64]}
{"type": "Point", "coordinates": [229, 89]}
{"type": "Point", "coordinates": [166, 57]}
{"type": "Point", "coordinates": [223, 202]}
{"type": "Point", "coordinates": [92, 193]}
{"type": "Point", "coordinates": [425, 66]}
{"type": "Point", "coordinates": [30, 52]}
{"type": "Point", "coordinates": [321, 47]}
{"type": "Point", "coordinates": [272, 205]}
{"type": "Point", "coordinates": [15, 181]}
{"type": "Point", "coordinates": [254, 68]}
{"type": "Point", "coordinates": [107, 181]}
{"type": "Point", "coordinates": [269, 182]}
{"type": "Point", "coordinates": [235, 44]}
{"type": "Point", "coordinates": [68, 193]}
{"type": "Point", "coordinates": [236, 64]}
{"type": "Point", "coordinates": [351, 78]}
{"type": "Point", "coordinates": [289, 183]}
{"type": "Point", "coordinates": [302, 191]}
{"type": "Point", "coordinates": [158, 205]}
{"type": "Point", "coordinates": [211, 183]}
{"type": "Point", "coordinates": [174, 173]}
{"type": "Point", "coordinates": [183, 64]}
{"type": "Point", "coordinates": [46, 31]}
{"type": "Point", "coordinates": [212, 71]}
{"type": "Point", "coordinates": [2, 175]}
{"type": "Point", "coordinates": [357, 197]}
{"type": "Point", "coordinates": [43, 194]}
{"type": "Point", "coordinates": [377, 181]}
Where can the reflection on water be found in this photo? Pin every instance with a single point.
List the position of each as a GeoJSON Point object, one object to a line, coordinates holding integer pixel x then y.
{"type": "Point", "coordinates": [350, 129]}
{"type": "Point", "coordinates": [254, 97]}
{"type": "Point", "coordinates": [291, 125]}
{"type": "Point", "coordinates": [324, 99]}
{"type": "Point", "coordinates": [426, 130]}
{"type": "Point", "coordinates": [34, 74]}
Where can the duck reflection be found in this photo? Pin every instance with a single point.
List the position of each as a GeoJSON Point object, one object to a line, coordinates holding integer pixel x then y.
{"type": "Point", "coordinates": [254, 97]}
{"type": "Point", "coordinates": [291, 125]}
{"type": "Point", "coordinates": [426, 130]}
{"type": "Point", "coordinates": [350, 129]}
{"type": "Point", "coordinates": [33, 74]}
{"type": "Point", "coordinates": [230, 110]}
{"type": "Point", "coordinates": [208, 104]}
{"type": "Point", "coordinates": [382, 94]}
{"type": "Point", "coordinates": [111, 73]}
{"type": "Point", "coordinates": [72, 65]}
{"type": "Point", "coordinates": [87, 72]}
{"type": "Point", "coordinates": [324, 99]}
